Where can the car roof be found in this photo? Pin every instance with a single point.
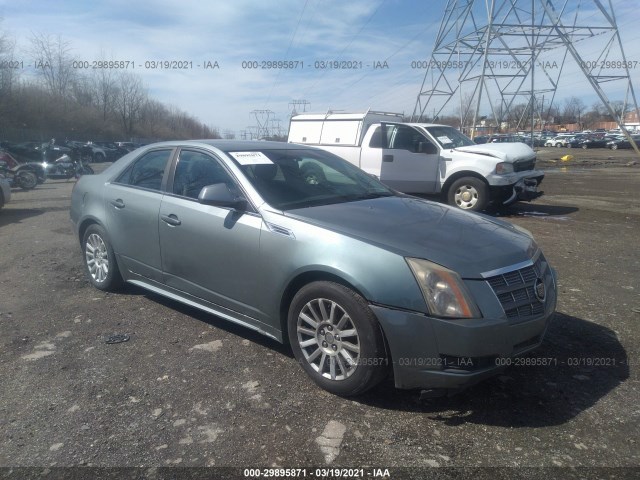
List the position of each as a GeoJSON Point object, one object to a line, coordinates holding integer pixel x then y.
{"type": "Point", "coordinates": [235, 145]}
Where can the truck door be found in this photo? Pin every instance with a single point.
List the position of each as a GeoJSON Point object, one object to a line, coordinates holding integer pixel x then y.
{"type": "Point", "coordinates": [409, 161]}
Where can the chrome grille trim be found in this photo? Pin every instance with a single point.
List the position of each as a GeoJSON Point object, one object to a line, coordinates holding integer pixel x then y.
{"type": "Point", "coordinates": [514, 287]}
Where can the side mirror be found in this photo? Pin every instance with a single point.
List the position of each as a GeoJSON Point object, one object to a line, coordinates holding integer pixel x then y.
{"type": "Point", "coordinates": [219, 195]}
{"type": "Point", "coordinates": [427, 148]}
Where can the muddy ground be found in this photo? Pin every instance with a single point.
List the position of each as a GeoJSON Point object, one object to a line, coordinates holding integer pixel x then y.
{"type": "Point", "coordinates": [189, 389]}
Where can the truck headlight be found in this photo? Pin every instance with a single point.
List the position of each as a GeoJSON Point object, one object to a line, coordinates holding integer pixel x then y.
{"type": "Point", "coordinates": [443, 290]}
{"type": "Point", "coordinates": [504, 167]}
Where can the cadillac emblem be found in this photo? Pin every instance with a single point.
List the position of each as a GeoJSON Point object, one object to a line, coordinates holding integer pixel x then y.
{"type": "Point", "coordinates": [540, 290]}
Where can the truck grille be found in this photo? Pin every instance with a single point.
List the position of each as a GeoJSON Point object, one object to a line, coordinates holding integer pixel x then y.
{"type": "Point", "coordinates": [524, 165]}
{"type": "Point", "coordinates": [515, 290]}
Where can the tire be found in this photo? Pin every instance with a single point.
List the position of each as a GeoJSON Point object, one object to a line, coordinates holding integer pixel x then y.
{"type": "Point", "coordinates": [468, 193]}
{"type": "Point", "coordinates": [614, 147]}
{"type": "Point", "coordinates": [569, 145]}
{"type": "Point", "coordinates": [558, 145]}
{"type": "Point", "coordinates": [26, 179]}
{"type": "Point", "coordinates": [584, 147]}
{"type": "Point", "coordinates": [98, 157]}
{"type": "Point", "coordinates": [99, 260]}
{"type": "Point", "coordinates": [337, 339]}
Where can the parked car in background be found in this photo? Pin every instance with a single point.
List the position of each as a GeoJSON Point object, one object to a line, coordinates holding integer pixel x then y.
{"type": "Point", "coordinates": [575, 141]}
{"type": "Point", "coordinates": [594, 142]}
{"type": "Point", "coordinates": [14, 165]}
{"type": "Point", "coordinates": [558, 141]}
{"type": "Point", "coordinates": [359, 279]}
{"type": "Point", "coordinates": [622, 142]}
{"type": "Point", "coordinates": [112, 151]}
{"type": "Point", "coordinates": [128, 146]}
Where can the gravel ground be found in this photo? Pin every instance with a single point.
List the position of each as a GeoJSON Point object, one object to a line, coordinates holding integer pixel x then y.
{"type": "Point", "coordinates": [191, 390]}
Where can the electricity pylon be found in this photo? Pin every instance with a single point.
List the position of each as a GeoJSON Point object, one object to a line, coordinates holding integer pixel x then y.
{"type": "Point", "coordinates": [489, 53]}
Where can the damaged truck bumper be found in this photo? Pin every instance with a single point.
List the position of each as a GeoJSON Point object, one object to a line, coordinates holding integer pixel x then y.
{"type": "Point", "coordinates": [522, 188]}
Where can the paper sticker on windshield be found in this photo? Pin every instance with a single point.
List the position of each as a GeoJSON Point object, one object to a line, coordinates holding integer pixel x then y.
{"type": "Point", "coordinates": [251, 158]}
{"type": "Point", "coordinates": [444, 139]}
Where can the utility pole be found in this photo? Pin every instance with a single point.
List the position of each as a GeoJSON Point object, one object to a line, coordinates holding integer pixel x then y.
{"type": "Point", "coordinates": [502, 50]}
{"type": "Point", "coordinates": [295, 104]}
{"type": "Point", "coordinates": [262, 120]}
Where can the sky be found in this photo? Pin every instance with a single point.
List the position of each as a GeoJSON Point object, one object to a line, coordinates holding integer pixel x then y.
{"type": "Point", "coordinates": [240, 39]}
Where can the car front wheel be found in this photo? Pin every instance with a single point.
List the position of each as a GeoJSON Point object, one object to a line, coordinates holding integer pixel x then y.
{"type": "Point", "coordinates": [468, 193]}
{"type": "Point", "coordinates": [99, 259]}
{"type": "Point", "coordinates": [336, 338]}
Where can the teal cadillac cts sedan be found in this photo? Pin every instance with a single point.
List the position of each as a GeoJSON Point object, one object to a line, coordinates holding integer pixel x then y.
{"type": "Point", "coordinates": [306, 248]}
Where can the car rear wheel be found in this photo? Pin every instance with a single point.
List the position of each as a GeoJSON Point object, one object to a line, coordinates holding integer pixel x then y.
{"type": "Point", "coordinates": [584, 147]}
{"type": "Point", "coordinates": [336, 338]}
{"type": "Point", "coordinates": [614, 147]}
{"type": "Point", "coordinates": [26, 179]}
{"type": "Point", "coordinates": [558, 145]}
{"type": "Point", "coordinates": [99, 259]}
{"type": "Point", "coordinates": [468, 193]}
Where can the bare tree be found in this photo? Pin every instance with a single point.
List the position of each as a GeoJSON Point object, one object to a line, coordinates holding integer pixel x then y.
{"type": "Point", "coordinates": [105, 88]}
{"type": "Point", "coordinates": [152, 119]}
{"type": "Point", "coordinates": [573, 110]}
{"type": "Point", "coordinates": [8, 74]}
{"type": "Point", "coordinates": [53, 62]}
{"type": "Point", "coordinates": [129, 100]}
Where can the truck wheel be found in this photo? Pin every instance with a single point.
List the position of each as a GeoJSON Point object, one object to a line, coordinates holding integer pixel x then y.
{"type": "Point", "coordinates": [468, 193]}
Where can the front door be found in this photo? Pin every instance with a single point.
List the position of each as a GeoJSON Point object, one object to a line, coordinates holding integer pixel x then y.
{"type": "Point", "coordinates": [209, 252]}
{"type": "Point", "coordinates": [409, 159]}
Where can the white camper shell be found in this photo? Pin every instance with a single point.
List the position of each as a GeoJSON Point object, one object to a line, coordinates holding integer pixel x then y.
{"type": "Point", "coordinates": [424, 158]}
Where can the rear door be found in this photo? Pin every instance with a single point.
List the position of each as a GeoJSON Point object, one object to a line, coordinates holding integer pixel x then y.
{"type": "Point", "coordinates": [408, 160]}
{"type": "Point", "coordinates": [132, 205]}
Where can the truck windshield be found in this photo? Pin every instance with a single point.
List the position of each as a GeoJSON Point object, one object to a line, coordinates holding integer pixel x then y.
{"type": "Point", "coordinates": [449, 137]}
{"type": "Point", "coordinates": [288, 179]}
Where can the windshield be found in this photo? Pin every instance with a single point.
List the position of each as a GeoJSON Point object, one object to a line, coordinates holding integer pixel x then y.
{"type": "Point", "coordinates": [449, 137]}
{"type": "Point", "coordinates": [289, 179]}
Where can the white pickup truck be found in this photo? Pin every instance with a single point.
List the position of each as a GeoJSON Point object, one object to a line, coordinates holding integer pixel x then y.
{"type": "Point", "coordinates": [424, 158]}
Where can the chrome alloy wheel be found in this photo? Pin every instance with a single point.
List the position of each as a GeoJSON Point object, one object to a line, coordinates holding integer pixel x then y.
{"type": "Point", "coordinates": [97, 258]}
{"type": "Point", "coordinates": [466, 196]}
{"type": "Point", "coordinates": [328, 339]}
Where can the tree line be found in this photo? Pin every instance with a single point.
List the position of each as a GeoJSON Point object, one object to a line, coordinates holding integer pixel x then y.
{"type": "Point", "coordinates": [572, 110]}
{"type": "Point", "coordinates": [66, 102]}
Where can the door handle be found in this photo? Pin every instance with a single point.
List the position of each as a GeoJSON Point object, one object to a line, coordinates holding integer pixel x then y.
{"type": "Point", "coordinates": [171, 220]}
{"type": "Point", "coordinates": [118, 203]}
{"type": "Point", "coordinates": [387, 158]}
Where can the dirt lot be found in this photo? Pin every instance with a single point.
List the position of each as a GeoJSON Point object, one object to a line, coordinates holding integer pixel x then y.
{"type": "Point", "coordinates": [189, 389]}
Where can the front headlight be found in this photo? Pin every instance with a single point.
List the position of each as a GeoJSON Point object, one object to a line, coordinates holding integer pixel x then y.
{"type": "Point", "coordinates": [443, 290]}
{"type": "Point", "coordinates": [504, 167]}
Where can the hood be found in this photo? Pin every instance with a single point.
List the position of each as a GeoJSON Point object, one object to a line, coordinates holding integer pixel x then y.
{"type": "Point", "coordinates": [467, 243]}
{"type": "Point", "coordinates": [506, 152]}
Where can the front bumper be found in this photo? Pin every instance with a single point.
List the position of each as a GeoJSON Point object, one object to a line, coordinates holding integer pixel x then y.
{"type": "Point", "coordinates": [451, 355]}
{"type": "Point", "coordinates": [524, 188]}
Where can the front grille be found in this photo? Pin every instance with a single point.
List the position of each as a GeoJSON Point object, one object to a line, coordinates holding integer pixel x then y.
{"type": "Point", "coordinates": [524, 165]}
{"type": "Point", "coordinates": [515, 290]}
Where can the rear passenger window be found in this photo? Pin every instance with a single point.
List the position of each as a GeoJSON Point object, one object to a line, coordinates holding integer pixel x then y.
{"type": "Point", "coordinates": [147, 171]}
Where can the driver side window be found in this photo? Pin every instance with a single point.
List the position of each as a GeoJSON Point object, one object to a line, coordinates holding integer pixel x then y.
{"type": "Point", "coordinates": [196, 170]}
